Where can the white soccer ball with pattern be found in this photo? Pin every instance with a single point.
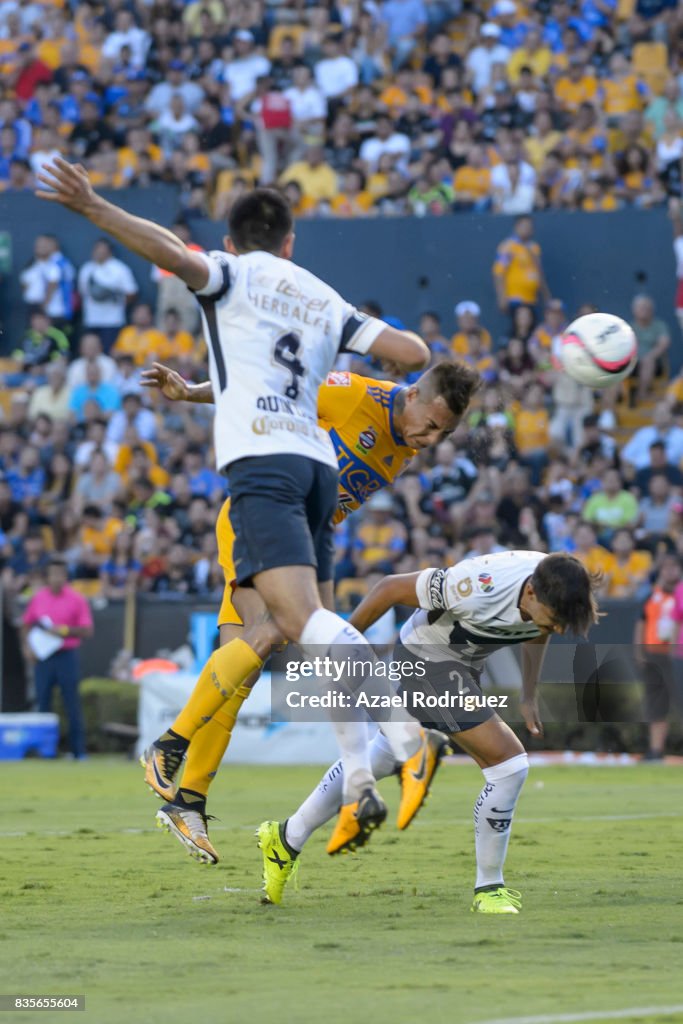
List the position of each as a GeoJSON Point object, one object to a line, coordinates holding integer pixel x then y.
{"type": "Point", "coordinates": [598, 350]}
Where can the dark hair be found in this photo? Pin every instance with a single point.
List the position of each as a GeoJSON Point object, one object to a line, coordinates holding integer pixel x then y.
{"type": "Point", "coordinates": [562, 584]}
{"type": "Point", "coordinates": [260, 221]}
{"type": "Point", "coordinates": [455, 382]}
{"type": "Point", "coordinates": [58, 562]}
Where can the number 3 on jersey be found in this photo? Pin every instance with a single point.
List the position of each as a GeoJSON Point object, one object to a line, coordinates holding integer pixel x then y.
{"type": "Point", "coordinates": [285, 354]}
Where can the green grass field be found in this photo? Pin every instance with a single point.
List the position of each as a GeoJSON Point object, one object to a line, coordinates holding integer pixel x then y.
{"type": "Point", "coordinates": [94, 900]}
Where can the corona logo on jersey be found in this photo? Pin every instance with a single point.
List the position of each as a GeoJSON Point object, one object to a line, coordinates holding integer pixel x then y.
{"type": "Point", "coordinates": [485, 582]}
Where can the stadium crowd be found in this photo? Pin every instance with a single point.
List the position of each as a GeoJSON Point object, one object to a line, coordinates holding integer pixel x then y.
{"type": "Point", "coordinates": [118, 479]}
{"type": "Point", "coordinates": [356, 109]}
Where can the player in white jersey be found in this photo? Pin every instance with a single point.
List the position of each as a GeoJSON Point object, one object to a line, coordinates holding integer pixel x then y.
{"type": "Point", "coordinates": [463, 614]}
{"type": "Point", "coordinates": [274, 332]}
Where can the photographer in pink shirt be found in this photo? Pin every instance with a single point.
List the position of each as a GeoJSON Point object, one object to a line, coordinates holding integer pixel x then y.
{"type": "Point", "coordinates": [60, 610]}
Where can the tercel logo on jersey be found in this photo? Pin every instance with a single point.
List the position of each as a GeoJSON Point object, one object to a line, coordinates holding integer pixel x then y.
{"type": "Point", "coordinates": [485, 582]}
{"type": "Point", "coordinates": [338, 379]}
{"type": "Point", "coordinates": [367, 439]}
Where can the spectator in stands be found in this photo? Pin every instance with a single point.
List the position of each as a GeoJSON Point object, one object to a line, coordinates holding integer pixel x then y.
{"type": "Point", "coordinates": [52, 398]}
{"type": "Point", "coordinates": [28, 72]}
{"type": "Point", "coordinates": [381, 539]}
{"type": "Point", "coordinates": [596, 442]}
{"type": "Point", "coordinates": [315, 178]}
{"type": "Point", "coordinates": [658, 464]}
{"type": "Point", "coordinates": [28, 563]}
{"type": "Point", "coordinates": [653, 339]}
{"type": "Point", "coordinates": [610, 508]}
{"type": "Point", "coordinates": [472, 182]}
{"type": "Point", "coordinates": [175, 83]}
{"type": "Point", "coordinates": [140, 339]}
{"type": "Point", "coordinates": [653, 637]}
{"type": "Point", "coordinates": [656, 507]}
{"type": "Point", "coordinates": [592, 555]}
{"type": "Point", "coordinates": [202, 480]}
{"type": "Point", "coordinates": [99, 485]}
{"type": "Point", "coordinates": [430, 330]}
{"type": "Point", "coordinates": [385, 141]}
{"type": "Point", "coordinates": [104, 394]}
{"type": "Point", "coordinates": [630, 569]}
{"type": "Point", "coordinates": [127, 37]}
{"type": "Point", "coordinates": [97, 534]}
{"type": "Point", "coordinates": [489, 52]}
{"type": "Point", "coordinates": [27, 479]}
{"type": "Point", "coordinates": [48, 282]}
{"type": "Point", "coordinates": [307, 104]}
{"type": "Point", "coordinates": [90, 350]}
{"type": "Point", "coordinates": [467, 316]}
{"type": "Point", "coordinates": [532, 432]}
{"type": "Point", "coordinates": [406, 22]}
{"type": "Point", "coordinates": [172, 293]}
{"type": "Point", "coordinates": [246, 66]}
{"type": "Point", "coordinates": [106, 285]}
{"type": "Point", "coordinates": [42, 344]}
{"type": "Point", "coordinates": [510, 512]}
{"type": "Point", "coordinates": [133, 416]}
{"type": "Point", "coordinates": [120, 573]}
{"type": "Point", "coordinates": [64, 613]}
{"type": "Point", "coordinates": [636, 452]}
{"type": "Point", "coordinates": [518, 270]}
{"type": "Point", "coordinates": [335, 74]}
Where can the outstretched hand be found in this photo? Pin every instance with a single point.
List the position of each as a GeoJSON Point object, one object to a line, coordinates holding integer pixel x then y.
{"type": "Point", "coordinates": [67, 184]}
{"type": "Point", "coordinates": [168, 381]}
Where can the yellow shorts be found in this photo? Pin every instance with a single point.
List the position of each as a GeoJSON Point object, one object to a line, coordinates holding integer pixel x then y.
{"type": "Point", "coordinates": [226, 538]}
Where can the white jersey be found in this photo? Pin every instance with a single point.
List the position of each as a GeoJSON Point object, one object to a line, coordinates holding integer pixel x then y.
{"type": "Point", "coordinates": [472, 609]}
{"type": "Point", "coordinates": [274, 331]}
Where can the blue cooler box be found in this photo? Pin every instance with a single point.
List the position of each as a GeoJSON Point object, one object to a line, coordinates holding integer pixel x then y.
{"type": "Point", "coordinates": [28, 733]}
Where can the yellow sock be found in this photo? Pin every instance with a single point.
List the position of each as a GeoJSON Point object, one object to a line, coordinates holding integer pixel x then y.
{"type": "Point", "coordinates": [208, 747]}
{"type": "Point", "coordinates": [224, 672]}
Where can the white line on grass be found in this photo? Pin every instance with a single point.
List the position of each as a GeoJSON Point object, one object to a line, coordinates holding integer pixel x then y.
{"type": "Point", "coordinates": [596, 1015]}
{"type": "Point", "coordinates": [558, 819]}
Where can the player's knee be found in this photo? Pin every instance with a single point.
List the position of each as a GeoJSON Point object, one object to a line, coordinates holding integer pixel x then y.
{"type": "Point", "coordinates": [518, 765]}
{"type": "Point", "coordinates": [263, 636]}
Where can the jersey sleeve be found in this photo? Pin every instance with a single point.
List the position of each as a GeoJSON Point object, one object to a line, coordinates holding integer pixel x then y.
{"type": "Point", "coordinates": [338, 398]}
{"type": "Point", "coordinates": [359, 331]}
{"type": "Point", "coordinates": [446, 590]}
{"type": "Point", "coordinates": [221, 267]}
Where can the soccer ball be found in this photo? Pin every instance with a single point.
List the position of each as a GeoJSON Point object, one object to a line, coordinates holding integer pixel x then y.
{"type": "Point", "coordinates": [598, 350]}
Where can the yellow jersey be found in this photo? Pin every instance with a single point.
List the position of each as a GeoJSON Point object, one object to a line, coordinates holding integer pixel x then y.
{"type": "Point", "coordinates": [358, 414]}
{"type": "Point", "coordinates": [518, 265]}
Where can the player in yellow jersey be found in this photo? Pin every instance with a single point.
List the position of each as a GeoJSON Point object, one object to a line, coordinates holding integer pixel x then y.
{"type": "Point", "coordinates": [376, 428]}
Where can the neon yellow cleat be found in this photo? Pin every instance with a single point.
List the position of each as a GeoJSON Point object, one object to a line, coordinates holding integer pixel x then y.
{"type": "Point", "coordinates": [417, 774]}
{"type": "Point", "coordinates": [279, 863]}
{"type": "Point", "coordinates": [497, 901]}
{"type": "Point", "coordinates": [357, 822]}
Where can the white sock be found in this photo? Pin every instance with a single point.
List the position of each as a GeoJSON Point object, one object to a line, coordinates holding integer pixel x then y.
{"type": "Point", "coordinates": [493, 813]}
{"type": "Point", "coordinates": [325, 800]}
{"type": "Point", "coordinates": [322, 633]}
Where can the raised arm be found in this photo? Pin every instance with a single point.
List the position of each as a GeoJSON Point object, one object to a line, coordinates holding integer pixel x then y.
{"type": "Point", "coordinates": [174, 387]}
{"type": "Point", "coordinates": [69, 185]}
{"type": "Point", "coordinates": [390, 591]}
{"type": "Point", "coordinates": [404, 351]}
